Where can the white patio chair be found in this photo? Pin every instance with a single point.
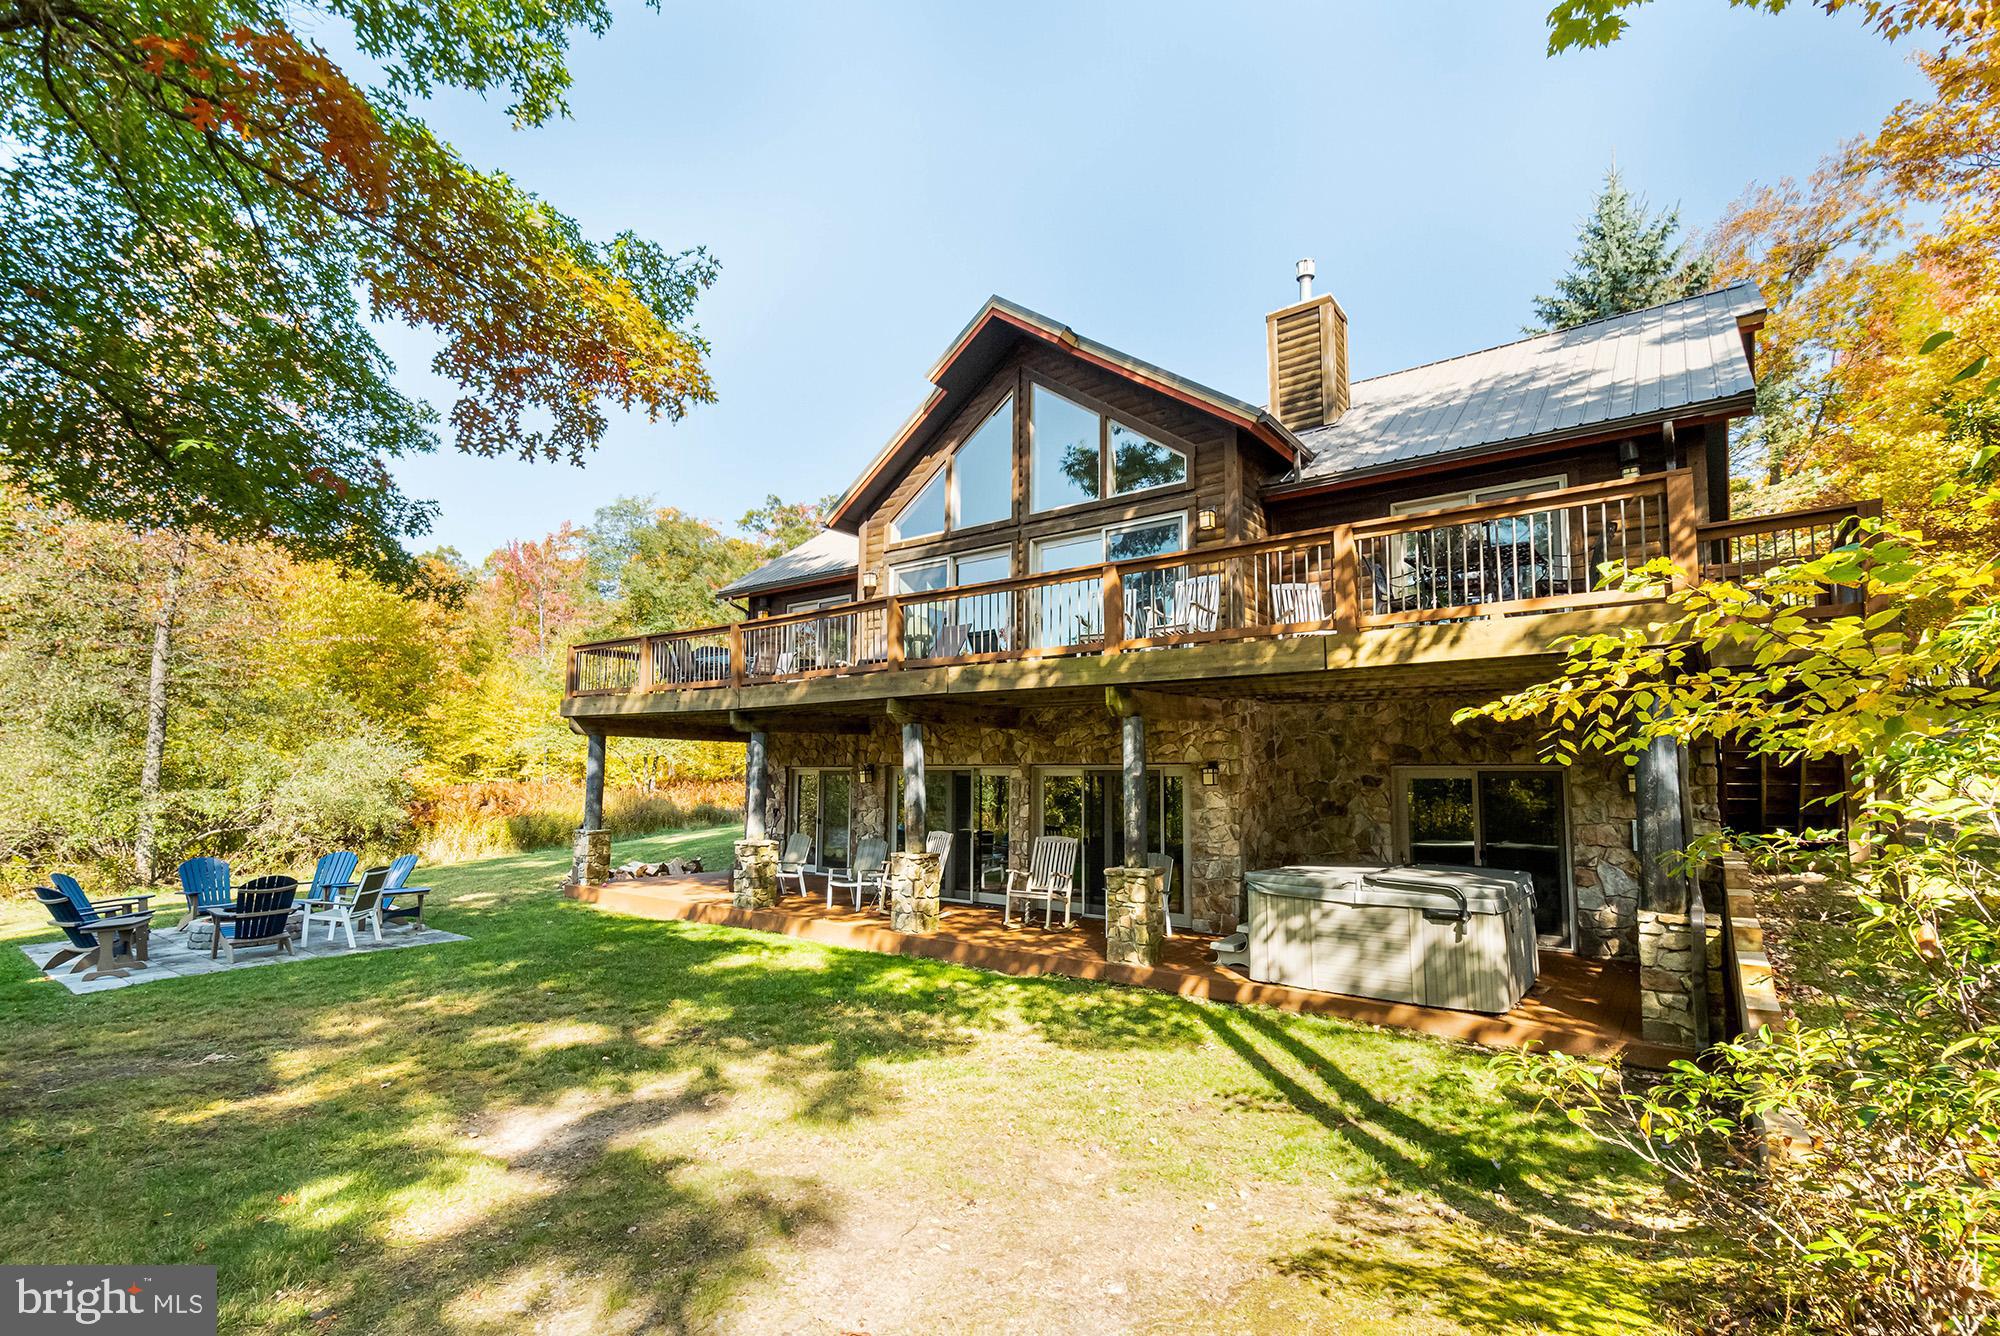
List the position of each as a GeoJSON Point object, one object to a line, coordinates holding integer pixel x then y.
{"type": "Point", "coordinates": [364, 906]}
{"type": "Point", "coordinates": [1197, 607]}
{"type": "Point", "coordinates": [795, 859]}
{"type": "Point", "coordinates": [937, 842]}
{"type": "Point", "coordinates": [871, 857]}
{"type": "Point", "coordinates": [1164, 865]}
{"type": "Point", "coordinates": [1297, 602]}
{"type": "Point", "coordinates": [1051, 875]}
{"type": "Point", "coordinates": [953, 640]}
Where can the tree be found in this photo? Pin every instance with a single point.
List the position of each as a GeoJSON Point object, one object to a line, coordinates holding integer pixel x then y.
{"type": "Point", "coordinates": [199, 202]}
{"type": "Point", "coordinates": [1575, 24]}
{"type": "Point", "coordinates": [1626, 259]}
{"type": "Point", "coordinates": [1886, 1217]}
{"type": "Point", "coordinates": [539, 586]}
{"type": "Point", "coordinates": [782, 525]}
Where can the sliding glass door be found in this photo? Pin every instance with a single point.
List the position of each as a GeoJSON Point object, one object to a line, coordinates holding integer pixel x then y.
{"type": "Point", "coordinates": [823, 808]}
{"type": "Point", "coordinates": [972, 805]}
{"type": "Point", "coordinates": [1084, 804]}
{"type": "Point", "coordinates": [1501, 818]}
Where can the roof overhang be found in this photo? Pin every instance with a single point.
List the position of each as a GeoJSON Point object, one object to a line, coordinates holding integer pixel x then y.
{"type": "Point", "coordinates": [970, 361]}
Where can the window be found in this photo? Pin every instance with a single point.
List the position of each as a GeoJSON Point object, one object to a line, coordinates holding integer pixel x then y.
{"type": "Point", "coordinates": [972, 805]}
{"type": "Point", "coordinates": [1138, 462]}
{"type": "Point", "coordinates": [975, 486]}
{"type": "Point", "coordinates": [1507, 817]}
{"type": "Point", "coordinates": [1518, 556]}
{"type": "Point", "coordinates": [1071, 449]}
{"type": "Point", "coordinates": [1151, 537]}
{"type": "Point", "coordinates": [925, 515]}
{"type": "Point", "coordinates": [927, 577]}
{"type": "Point", "coordinates": [982, 472]}
{"type": "Point", "coordinates": [1085, 803]}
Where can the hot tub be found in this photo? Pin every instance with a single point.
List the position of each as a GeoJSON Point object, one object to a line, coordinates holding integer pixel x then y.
{"type": "Point", "coordinates": [1438, 936]}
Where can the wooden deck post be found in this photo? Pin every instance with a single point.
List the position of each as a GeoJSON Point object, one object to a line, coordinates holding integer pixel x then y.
{"type": "Point", "coordinates": [756, 785]}
{"type": "Point", "coordinates": [1113, 589]}
{"type": "Point", "coordinates": [590, 854]}
{"type": "Point", "coordinates": [1673, 956]}
{"type": "Point", "coordinates": [893, 622]}
{"type": "Point", "coordinates": [1132, 739]}
{"type": "Point", "coordinates": [916, 817]}
{"type": "Point", "coordinates": [1683, 542]}
{"type": "Point", "coordinates": [645, 678]}
{"type": "Point", "coordinates": [736, 654]}
{"type": "Point", "coordinates": [1346, 576]}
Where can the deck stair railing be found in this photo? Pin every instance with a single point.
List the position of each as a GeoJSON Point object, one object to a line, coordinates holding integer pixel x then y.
{"type": "Point", "coordinates": [1524, 556]}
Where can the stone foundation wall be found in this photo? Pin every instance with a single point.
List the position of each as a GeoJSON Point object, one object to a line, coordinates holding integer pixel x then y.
{"type": "Point", "coordinates": [1309, 782]}
{"type": "Point", "coordinates": [1324, 791]}
{"type": "Point", "coordinates": [1059, 736]}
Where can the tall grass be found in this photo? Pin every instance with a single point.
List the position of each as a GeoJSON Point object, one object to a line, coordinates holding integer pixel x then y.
{"type": "Point", "coordinates": [465, 821]}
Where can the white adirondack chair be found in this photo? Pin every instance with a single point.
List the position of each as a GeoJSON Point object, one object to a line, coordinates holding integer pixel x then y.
{"type": "Point", "coordinates": [363, 906]}
{"type": "Point", "coordinates": [1164, 865]}
{"type": "Point", "coordinates": [871, 857]}
{"type": "Point", "coordinates": [795, 859]}
{"type": "Point", "coordinates": [1051, 876]}
{"type": "Point", "coordinates": [1295, 603]}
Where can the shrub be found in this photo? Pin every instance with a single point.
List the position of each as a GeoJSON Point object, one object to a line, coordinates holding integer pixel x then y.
{"type": "Point", "coordinates": [1883, 1215]}
{"type": "Point", "coordinates": [474, 820]}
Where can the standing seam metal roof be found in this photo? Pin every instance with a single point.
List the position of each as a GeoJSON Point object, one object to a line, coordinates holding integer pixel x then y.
{"type": "Point", "coordinates": [1680, 355]}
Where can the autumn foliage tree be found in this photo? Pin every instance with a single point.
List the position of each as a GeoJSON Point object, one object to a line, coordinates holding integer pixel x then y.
{"type": "Point", "coordinates": [203, 211]}
{"type": "Point", "coordinates": [1892, 244]}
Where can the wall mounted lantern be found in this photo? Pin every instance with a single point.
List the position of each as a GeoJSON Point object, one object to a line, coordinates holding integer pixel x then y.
{"type": "Point", "coordinates": [1206, 521]}
{"type": "Point", "coordinates": [1210, 772]}
{"type": "Point", "coordinates": [870, 582]}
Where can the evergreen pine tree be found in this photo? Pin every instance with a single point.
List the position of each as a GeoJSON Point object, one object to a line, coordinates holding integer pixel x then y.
{"type": "Point", "coordinates": [1625, 259]}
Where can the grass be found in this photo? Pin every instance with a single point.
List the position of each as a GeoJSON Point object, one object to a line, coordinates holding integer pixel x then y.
{"type": "Point", "coordinates": [582, 1122]}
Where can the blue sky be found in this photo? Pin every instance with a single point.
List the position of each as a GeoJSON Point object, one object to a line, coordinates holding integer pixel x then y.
{"type": "Point", "coordinates": [1145, 172]}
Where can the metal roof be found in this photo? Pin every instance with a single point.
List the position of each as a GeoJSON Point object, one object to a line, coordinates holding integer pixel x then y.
{"type": "Point", "coordinates": [1664, 361]}
{"type": "Point", "coordinates": [827, 555]}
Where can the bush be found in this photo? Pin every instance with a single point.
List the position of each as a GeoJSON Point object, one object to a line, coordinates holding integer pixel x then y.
{"type": "Point", "coordinates": [1882, 1214]}
{"type": "Point", "coordinates": [475, 820]}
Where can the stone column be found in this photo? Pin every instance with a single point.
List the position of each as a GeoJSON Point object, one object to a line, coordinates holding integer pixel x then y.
{"type": "Point", "coordinates": [590, 853]}
{"type": "Point", "coordinates": [1132, 742]}
{"type": "Point", "coordinates": [754, 884]}
{"type": "Point", "coordinates": [1135, 921]}
{"type": "Point", "coordinates": [913, 891]}
{"type": "Point", "coordinates": [1673, 975]}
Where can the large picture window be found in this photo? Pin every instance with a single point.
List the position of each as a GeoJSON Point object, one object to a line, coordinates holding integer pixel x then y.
{"type": "Point", "coordinates": [822, 807]}
{"type": "Point", "coordinates": [1078, 455]}
{"type": "Point", "coordinates": [975, 486]}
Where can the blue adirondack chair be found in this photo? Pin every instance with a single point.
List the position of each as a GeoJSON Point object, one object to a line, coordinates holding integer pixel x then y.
{"type": "Point", "coordinates": [259, 915]}
{"type": "Point", "coordinates": [119, 923]}
{"type": "Point", "coordinates": [402, 902]}
{"type": "Point", "coordinates": [333, 875]}
{"type": "Point", "coordinates": [205, 883]}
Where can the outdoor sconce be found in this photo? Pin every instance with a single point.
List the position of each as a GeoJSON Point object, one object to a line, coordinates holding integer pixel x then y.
{"type": "Point", "coordinates": [867, 772]}
{"type": "Point", "coordinates": [1628, 457]}
{"type": "Point", "coordinates": [1205, 521]}
{"type": "Point", "coordinates": [870, 582]}
{"type": "Point", "coordinates": [1210, 772]}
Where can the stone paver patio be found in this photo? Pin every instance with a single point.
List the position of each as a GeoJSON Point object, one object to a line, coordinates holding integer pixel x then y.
{"type": "Point", "coordinates": [174, 957]}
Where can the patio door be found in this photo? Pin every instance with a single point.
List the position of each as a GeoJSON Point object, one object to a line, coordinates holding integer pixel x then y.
{"type": "Point", "coordinates": [972, 805]}
{"type": "Point", "coordinates": [823, 807]}
{"type": "Point", "coordinates": [1084, 804]}
{"type": "Point", "coordinates": [1502, 818]}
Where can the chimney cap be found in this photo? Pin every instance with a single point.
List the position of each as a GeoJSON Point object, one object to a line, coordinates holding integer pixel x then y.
{"type": "Point", "coordinates": [1306, 271]}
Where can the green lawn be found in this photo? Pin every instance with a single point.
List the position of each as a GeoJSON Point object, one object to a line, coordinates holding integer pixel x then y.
{"type": "Point", "coordinates": [577, 1122]}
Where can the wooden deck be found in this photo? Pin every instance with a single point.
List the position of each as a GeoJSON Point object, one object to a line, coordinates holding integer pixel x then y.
{"type": "Point", "coordinates": [1584, 1007]}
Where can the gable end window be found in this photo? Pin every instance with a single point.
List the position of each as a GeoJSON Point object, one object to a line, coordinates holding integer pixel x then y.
{"type": "Point", "coordinates": [975, 486]}
{"type": "Point", "coordinates": [1078, 455]}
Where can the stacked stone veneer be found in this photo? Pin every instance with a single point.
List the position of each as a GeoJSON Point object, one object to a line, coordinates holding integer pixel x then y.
{"type": "Point", "coordinates": [1297, 782]}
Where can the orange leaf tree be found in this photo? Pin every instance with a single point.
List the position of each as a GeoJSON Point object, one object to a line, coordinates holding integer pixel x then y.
{"type": "Point", "coordinates": [203, 212]}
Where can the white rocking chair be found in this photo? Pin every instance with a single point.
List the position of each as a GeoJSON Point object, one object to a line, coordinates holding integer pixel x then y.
{"type": "Point", "coordinates": [1051, 875]}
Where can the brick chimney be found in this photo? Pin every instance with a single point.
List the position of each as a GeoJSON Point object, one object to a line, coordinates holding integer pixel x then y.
{"type": "Point", "coordinates": [1308, 357]}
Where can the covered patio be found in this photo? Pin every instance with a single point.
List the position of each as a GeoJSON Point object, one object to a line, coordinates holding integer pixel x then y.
{"type": "Point", "coordinates": [1578, 1006]}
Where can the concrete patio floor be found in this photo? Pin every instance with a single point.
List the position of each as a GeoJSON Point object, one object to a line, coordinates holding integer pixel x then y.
{"type": "Point", "coordinates": [172, 956]}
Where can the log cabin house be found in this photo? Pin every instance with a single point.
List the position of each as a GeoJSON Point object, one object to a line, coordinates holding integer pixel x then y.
{"type": "Point", "coordinates": [1080, 594]}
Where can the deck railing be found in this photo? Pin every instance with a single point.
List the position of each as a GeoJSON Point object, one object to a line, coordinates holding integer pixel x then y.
{"type": "Point", "coordinates": [1521, 557]}
{"type": "Point", "coordinates": [1735, 549]}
